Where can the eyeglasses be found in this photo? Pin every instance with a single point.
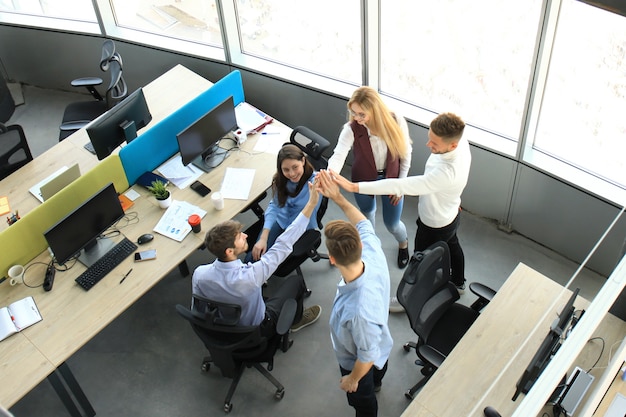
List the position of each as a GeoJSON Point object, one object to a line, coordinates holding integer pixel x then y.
{"type": "Point", "coordinates": [357, 115]}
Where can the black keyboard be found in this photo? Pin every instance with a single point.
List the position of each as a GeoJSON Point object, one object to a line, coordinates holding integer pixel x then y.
{"type": "Point", "coordinates": [106, 264]}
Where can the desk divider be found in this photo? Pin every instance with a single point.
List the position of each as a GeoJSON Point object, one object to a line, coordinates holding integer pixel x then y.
{"type": "Point", "coordinates": [157, 144]}
{"type": "Point", "coordinates": [24, 240]}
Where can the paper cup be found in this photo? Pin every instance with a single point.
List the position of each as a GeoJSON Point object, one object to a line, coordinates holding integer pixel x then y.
{"type": "Point", "coordinates": [218, 200]}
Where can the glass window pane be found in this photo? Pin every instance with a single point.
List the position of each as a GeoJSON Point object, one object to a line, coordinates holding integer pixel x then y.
{"type": "Point", "coordinates": [473, 58]}
{"type": "Point", "coordinates": [583, 114]}
{"type": "Point", "coordinates": [191, 20]}
{"type": "Point", "coordinates": [65, 9]}
{"type": "Point", "coordinates": [322, 37]}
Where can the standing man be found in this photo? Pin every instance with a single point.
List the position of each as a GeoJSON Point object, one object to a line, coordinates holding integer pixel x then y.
{"type": "Point", "coordinates": [229, 280]}
{"type": "Point", "coordinates": [440, 187]}
{"type": "Point", "coordinates": [358, 322]}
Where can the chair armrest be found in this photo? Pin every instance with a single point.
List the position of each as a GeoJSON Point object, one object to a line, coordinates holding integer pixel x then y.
{"type": "Point", "coordinates": [75, 125]}
{"type": "Point", "coordinates": [482, 291]}
{"type": "Point", "coordinates": [86, 82]}
{"type": "Point", "coordinates": [310, 239]}
{"type": "Point", "coordinates": [287, 314]}
{"type": "Point", "coordinates": [431, 355]}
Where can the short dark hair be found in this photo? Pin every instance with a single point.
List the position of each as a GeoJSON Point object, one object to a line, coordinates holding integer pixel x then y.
{"type": "Point", "coordinates": [448, 126]}
{"type": "Point", "coordinates": [222, 237]}
{"type": "Point", "coordinates": [343, 242]}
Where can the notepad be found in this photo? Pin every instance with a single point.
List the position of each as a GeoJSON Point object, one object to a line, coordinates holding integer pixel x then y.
{"type": "Point", "coordinates": [18, 316]}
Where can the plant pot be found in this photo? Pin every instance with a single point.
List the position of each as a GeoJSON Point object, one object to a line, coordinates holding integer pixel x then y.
{"type": "Point", "coordinates": [165, 202]}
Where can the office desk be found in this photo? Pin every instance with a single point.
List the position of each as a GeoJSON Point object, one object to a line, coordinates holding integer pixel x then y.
{"type": "Point", "coordinates": [163, 95]}
{"type": "Point", "coordinates": [466, 375]}
{"type": "Point", "coordinates": [71, 316]}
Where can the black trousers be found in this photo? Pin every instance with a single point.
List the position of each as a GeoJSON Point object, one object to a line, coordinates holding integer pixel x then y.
{"type": "Point", "coordinates": [364, 398]}
{"type": "Point", "coordinates": [426, 236]}
{"type": "Point", "coordinates": [292, 287]}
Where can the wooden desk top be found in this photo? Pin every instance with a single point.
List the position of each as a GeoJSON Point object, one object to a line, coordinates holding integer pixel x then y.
{"type": "Point", "coordinates": [467, 374]}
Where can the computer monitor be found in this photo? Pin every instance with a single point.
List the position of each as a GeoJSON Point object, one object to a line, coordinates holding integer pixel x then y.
{"type": "Point", "coordinates": [199, 143]}
{"type": "Point", "coordinates": [547, 349]}
{"type": "Point", "coordinates": [79, 232]}
{"type": "Point", "coordinates": [119, 124]}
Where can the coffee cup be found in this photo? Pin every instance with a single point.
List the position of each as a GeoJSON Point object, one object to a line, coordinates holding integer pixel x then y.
{"type": "Point", "coordinates": [16, 274]}
{"type": "Point", "coordinates": [195, 222]}
{"type": "Point", "coordinates": [218, 200]}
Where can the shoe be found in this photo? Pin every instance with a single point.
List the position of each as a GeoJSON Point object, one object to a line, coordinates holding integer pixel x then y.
{"type": "Point", "coordinates": [309, 316]}
{"type": "Point", "coordinates": [395, 306]}
{"type": "Point", "coordinates": [403, 257]}
{"type": "Point", "coordinates": [460, 288]}
{"type": "Point", "coordinates": [378, 387]}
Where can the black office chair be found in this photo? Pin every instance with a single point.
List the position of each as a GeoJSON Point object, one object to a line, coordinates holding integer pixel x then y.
{"type": "Point", "coordinates": [232, 347]}
{"type": "Point", "coordinates": [79, 114]}
{"type": "Point", "coordinates": [7, 104]}
{"type": "Point", "coordinates": [14, 150]}
{"type": "Point", "coordinates": [313, 145]}
{"type": "Point", "coordinates": [429, 299]}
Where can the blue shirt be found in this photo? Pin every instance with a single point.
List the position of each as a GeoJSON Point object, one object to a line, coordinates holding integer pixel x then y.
{"type": "Point", "coordinates": [286, 214]}
{"type": "Point", "coordinates": [241, 283]}
{"type": "Point", "coordinates": [359, 318]}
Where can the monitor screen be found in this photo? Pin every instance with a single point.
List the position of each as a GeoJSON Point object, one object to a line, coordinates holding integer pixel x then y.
{"type": "Point", "coordinates": [547, 349]}
{"type": "Point", "coordinates": [82, 228]}
{"type": "Point", "coordinates": [120, 124]}
{"type": "Point", "coordinates": [199, 142]}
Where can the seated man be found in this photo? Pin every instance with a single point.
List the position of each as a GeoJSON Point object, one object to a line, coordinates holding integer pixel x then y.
{"type": "Point", "coordinates": [229, 280]}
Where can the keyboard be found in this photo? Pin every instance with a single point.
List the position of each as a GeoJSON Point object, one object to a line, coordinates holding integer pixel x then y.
{"type": "Point", "coordinates": [106, 264]}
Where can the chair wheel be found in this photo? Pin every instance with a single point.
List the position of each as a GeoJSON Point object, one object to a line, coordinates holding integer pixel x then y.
{"type": "Point", "coordinates": [228, 407]}
{"type": "Point", "coordinates": [406, 347]}
{"type": "Point", "coordinates": [307, 293]}
{"type": "Point", "coordinates": [280, 393]}
{"type": "Point", "coordinates": [408, 394]}
{"type": "Point", "coordinates": [205, 366]}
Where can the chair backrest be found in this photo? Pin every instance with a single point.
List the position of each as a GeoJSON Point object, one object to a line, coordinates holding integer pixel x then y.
{"type": "Point", "coordinates": [117, 89]}
{"type": "Point", "coordinates": [230, 344]}
{"type": "Point", "coordinates": [425, 290]}
{"type": "Point", "coordinates": [14, 150]}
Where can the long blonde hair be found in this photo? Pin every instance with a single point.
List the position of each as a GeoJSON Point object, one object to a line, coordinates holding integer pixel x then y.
{"type": "Point", "coordinates": [382, 122]}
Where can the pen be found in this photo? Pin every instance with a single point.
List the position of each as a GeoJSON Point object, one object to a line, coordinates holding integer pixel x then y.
{"type": "Point", "coordinates": [270, 133]}
{"type": "Point", "coordinates": [124, 277]}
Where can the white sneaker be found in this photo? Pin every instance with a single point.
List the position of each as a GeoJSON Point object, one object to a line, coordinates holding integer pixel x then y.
{"type": "Point", "coordinates": [395, 306]}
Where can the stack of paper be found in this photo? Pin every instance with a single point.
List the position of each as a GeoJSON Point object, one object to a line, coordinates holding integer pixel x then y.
{"type": "Point", "coordinates": [173, 223]}
{"type": "Point", "coordinates": [250, 119]}
{"type": "Point", "coordinates": [177, 173]}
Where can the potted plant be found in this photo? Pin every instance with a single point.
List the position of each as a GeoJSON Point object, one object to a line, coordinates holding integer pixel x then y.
{"type": "Point", "coordinates": [161, 193]}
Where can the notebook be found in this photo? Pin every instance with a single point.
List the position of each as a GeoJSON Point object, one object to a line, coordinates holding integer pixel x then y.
{"type": "Point", "coordinates": [54, 183]}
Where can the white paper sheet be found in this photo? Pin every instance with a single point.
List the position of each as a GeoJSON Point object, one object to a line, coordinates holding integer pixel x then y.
{"type": "Point", "coordinates": [173, 223]}
{"type": "Point", "coordinates": [237, 183]}
{"type": "Point", "coordinates": [178, 174]}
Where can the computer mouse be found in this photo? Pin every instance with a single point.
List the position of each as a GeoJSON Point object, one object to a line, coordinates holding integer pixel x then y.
{"type": "Point", "coordinates": [145, 238]}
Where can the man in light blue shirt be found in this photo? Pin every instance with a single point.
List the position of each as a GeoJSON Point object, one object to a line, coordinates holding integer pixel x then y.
{"type": "Point", "coordinates": [229, 280]}
{"type": "Point", "coordinates": [358, 322]}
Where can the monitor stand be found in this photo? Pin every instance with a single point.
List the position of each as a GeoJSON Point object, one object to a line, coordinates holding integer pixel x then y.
{"type": "Point", "coordinates": [210, 159]}
{"type": "Point", "coordinates": [93, 252]}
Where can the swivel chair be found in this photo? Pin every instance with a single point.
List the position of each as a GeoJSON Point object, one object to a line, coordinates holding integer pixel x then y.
{"type": "Point", "coordinates": [79, 114]}
{"type": "Point", "coordinates": [232, 347]}
{"type": "Point", "coordinates": [429, 299]}
{"type": "Point", "coordinates": [14, 150]}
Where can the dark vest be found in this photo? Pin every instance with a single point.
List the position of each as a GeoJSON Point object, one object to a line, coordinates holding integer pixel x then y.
{"type": "Point", "coordinates": [363, 165]}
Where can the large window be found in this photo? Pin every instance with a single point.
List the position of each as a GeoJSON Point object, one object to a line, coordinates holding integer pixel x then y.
{"type": "Point", "coordinates": [473, 58]}
{"type": "Point", "coordinates": [583, 114]}
{"type": "Point", "coordinates": [80, 10]}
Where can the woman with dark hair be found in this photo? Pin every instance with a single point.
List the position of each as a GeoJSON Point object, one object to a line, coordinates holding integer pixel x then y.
{"type": "Point", "coordinates": [290, 195]}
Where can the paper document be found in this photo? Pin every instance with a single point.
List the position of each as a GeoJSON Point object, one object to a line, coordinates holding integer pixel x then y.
{"type": "Point", "coordinates": [249, 118]}
{"type": "Point", "coordinates": [237, 183]}
{"type": "Point", "coordinates": [178, 174]}
{"type": "Point", "coordinates": [173, 223]}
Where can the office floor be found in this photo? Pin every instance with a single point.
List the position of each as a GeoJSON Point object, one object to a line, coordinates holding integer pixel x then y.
{"type": "Point", "coordinates": [147, 362]}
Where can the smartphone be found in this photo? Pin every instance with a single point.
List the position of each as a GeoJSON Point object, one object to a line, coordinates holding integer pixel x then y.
{"type": "Point", "coordinates": [145, 255]}
{"type": "Point", "coordinates": [200, 188]}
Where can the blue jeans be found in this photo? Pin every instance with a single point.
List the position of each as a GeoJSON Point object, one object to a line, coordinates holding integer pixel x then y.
{"type": "Point", "coordinates": [391, 213]}
{"type": "Point", "coordinates": [275, 231]}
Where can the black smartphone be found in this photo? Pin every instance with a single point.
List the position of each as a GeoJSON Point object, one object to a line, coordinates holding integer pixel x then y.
{"type": "Point", "coordinates": [145, 255]}
{"type": "Point", "coordinates": [200, 188]}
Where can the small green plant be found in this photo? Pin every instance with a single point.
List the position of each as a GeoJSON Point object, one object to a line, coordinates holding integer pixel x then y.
{"type": "Point", "coordinates": [159, 190]}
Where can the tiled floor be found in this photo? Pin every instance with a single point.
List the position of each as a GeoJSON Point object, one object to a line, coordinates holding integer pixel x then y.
{"type": "Point", "coordinates": [147, 362]}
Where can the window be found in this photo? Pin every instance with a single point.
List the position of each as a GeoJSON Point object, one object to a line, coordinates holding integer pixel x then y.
{"type": "Point", "coordinates": [583, 114]}
{"type": "Point", "coordinates": [472, 58]}
{"type": "Point", "coordinates": [322, 37]}
{"type": "Point", "coordinates": [80, 10]}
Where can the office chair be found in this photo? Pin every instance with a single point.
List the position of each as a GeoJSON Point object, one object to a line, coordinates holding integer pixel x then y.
{"type": "Point", "coordinates": [313, 145]}
{"type": "Point", "coordinates": [14, 150]}
{"type": "Point", "coordinates": [7, 104]}
{"type": "Point", "coordinates": [79, 114]}
{"type": "Point", "coordinates": [429, 299]}
{"type": "Point", "coordinates": [234, 348]}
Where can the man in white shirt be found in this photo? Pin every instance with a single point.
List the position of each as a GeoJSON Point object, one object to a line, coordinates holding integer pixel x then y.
{"type": "Point", "coordinates": [440, 187]}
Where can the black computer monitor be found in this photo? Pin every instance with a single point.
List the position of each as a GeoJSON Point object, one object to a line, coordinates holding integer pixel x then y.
{"type": "Point", "coordinates": [79, 232]}
{"type": "Point", "coordinates": [119, 124]}
{"type": "Point", "coordinates": [548, 348]}
{"type": "Point", "coordinates": [199, 143]}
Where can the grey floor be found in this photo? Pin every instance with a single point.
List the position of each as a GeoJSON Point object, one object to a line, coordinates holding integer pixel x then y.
{"type": "Point", "coordinates": [147, 362]}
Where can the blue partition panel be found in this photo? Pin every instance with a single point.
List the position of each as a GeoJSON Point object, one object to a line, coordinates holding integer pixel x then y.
{"type": "Point", "coordinates": [157, 144]}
